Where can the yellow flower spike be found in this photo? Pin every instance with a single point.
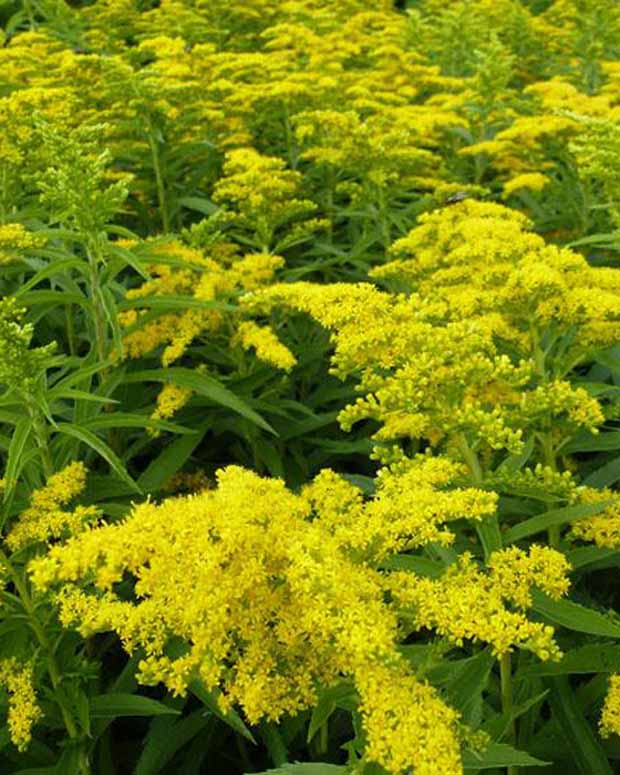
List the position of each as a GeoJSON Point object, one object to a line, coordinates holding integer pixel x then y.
{"type": "Point", "coordinates": [532, 181]}
{"type": "Point", "coordinates": [274, 594]}
{"type": "Point", "coordinates": [14, 239]}
{"type": "Point", "coordinates": [407, 723]}
{"type": "Point", "coordinates": [24, 711]}
{"type": "Point", "coordinates": [170, 399]}
{"type": "Point", "coordinates": [266, 344]}
{"type": "Point", "coordinates": [467, 603]}
{"type": "Point", "coordinates": [609, 723]}
{"type": "Point", "coordinates": [45, 518]}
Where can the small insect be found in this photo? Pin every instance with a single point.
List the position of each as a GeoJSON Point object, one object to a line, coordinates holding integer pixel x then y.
{"type": "Point", "coordinates": [458, 196]}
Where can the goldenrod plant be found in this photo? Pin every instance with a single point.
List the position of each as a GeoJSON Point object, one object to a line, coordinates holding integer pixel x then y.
{"type": "Point", "coordinates": [309, 387]}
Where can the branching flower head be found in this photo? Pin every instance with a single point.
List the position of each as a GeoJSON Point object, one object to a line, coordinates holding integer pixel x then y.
{"type": "Point", "coordinates": [20, 364]}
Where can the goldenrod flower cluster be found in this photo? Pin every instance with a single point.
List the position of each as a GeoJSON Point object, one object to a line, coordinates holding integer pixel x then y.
{"type": "Point", "coordinates": [209, 279]}
{"type": "Point", "coordinates": [45, 519]}
{"type": "Point", "coordinates": [170, 399]}
{"type": "Point", "coordinates": [24, 710]}
{"type": "Point", "coordinates": [261, 193]}
{"type": "Point", "coordinates": [20, 364]}
{"type": "Point", "coordinates": [461, 353]}
{"type": "Point", "coordinates": [602, 529]}
{"type": "Point", "coordinates": [265, 343]}
{"type": "Point", "coordinates": [422, 185]}
{"type": "Point", "coordinates": [178, 270]}
{"type": "Point", "coordinates": [272, 604]}
{"type": "Point", "coordinates": [610, 715]}
{"type": "Point", "coordinates": [467, 603]}
{"type": "Point", "coordinates": [15, 238]}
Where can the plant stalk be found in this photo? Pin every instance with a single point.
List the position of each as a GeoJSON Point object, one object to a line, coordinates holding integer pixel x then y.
{"type": "Point", "coordinates": [53, 668]}
{"type": "Point", "coordinates": [505, 673]}
{"type": "Point", "coordinates": [159, 180]}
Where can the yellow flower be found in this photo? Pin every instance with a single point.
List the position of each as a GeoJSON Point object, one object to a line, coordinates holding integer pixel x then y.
{"type": "Point", "coordinates": [266, 344]}
{"type": "Point", "coordinates": [467, 603]}
{"type": "Point", "coordinates": [171, 398]}
{"type": "Point", "coordinates": [610, 715]}
{"type": "Point", "coordinates": [14, 238]}
{"type": "Point", "coordinates": [273, 594]}
{"type": "Point", "coordinates": [45, 518]}
{"type": "Point", "coordinates": [407, 723]}
{"type": "Point", "coordinates": [534, 181]}
{"type": "Point", "coordinates": [24, 711]}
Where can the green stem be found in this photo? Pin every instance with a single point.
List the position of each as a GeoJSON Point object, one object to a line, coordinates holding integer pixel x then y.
{"type": "Point", "coordinates": [549, 456]}
{"type": "Point", "coordinates": [488, 530]}
{"type": "Point", "coordinates": [383, 221]}
{"type": "Point", "coordinates": [70, 325]}
{"type": "Point", "coordinates": [95, 259]}
{"type": "Point", "coordinates": [290, 139]}
{"type": "Point", "coordinates": [53, 668]}
{"type": "Point", "coordinates": [539, 357]}
{"type": "Point", "coordinates": [3, 195]}
{"type": "Point", "coordinates": [505, 673]}
{"type": "Point", "coordinates": [323, 737]}
{"type": "Point", "coordinates": [40, 431]}
{"type": "Point", "coordinates": [470, 457]}
{"type": "Point", "coordinates": [159, 180]}
{"type": "Point", "coordinates": [30, 14]}
{"type": "Point", "coordinates": [329, 207]}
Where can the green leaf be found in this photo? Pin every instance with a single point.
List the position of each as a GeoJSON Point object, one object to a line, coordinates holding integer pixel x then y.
{"type": "Point", "coordinates": [171, 303]}
{"type": "Point", "coordinates": [574, 616]}
{"type": "Point", "coordinates": [203, 385]}
{"type": "Point", "coordinates": [499, 726]}
{"type": "Point", "coordinates": [584, 556]}
{"type": "Point", "coordinates": [127, 420]}
{"type": "Point", "coordinates": [81, 395]}
{"type": "Point", "coordinates": [500, 755]}
{"type": "Point", "coordinates": [77, 376]}
{"type": "Point", "coordinates": [170, 460]}
{"type": "Point", "coordinates": [465, 688]}
{"type": "Point", "coordinates": [514, 463]}
{"type": "Point", "coordinates": [604, 476]}
{"type": "Point", "coordinates": [89, 438]}
{"type": "Point", "coordinates": [15, 460]}
{"type": "Point", "coordinates": [489, 534]}
{"type": "Point", "coordinates": [55, 297]}
{"type": "Point", "coordinates": [118, 704]}
{"type": "Point", "coordinates": [199, 204]}
{"type": "Point", "coordinates": [587, 755]}
{"type": "Point", "coordinates": [327, 703]}
{"type": "Point", "coordinates": [422, 566]}
{"type": "Point", "coordinates": [167, 736]}
{"type": "Point", "coordinates": [52, 270]}
{"type": "Point", "coordinates": [554, 518]}
{"type": "Point", "coordinates": [128, 258]}
{"type": "Point", "coordinates": [311, 768]}
{"type": "Point", "coordinates": [271, 737]}
{"type": "Point", "coordinates": [231, 718]}
{"type": "Point", "coordinates": [590, 442]}
{"type": "Point", "coordinates": [111, 314]}
{"type": "Point", "coordinates": [587, 659]}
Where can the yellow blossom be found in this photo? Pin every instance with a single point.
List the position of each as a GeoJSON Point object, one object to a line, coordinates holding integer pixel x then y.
{"type": "Point", "coordinates": [533, 181]}
{"type": "Point", "coordinates": [266, 344]}
{"type": "Point", "coordinates": [467, 603]}
{"type": "Point", "coordinates": [24, 711]}
{"type": "Point", "coordinates": [270, 602]}
{"type": "Point", "coordinates": [610, 715]}
{"type": "Point", "coordinates": [45, 519]}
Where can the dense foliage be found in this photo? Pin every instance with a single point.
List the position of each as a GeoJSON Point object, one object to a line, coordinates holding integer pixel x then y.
{"type": "Point", "coordinates": [310, 387]}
